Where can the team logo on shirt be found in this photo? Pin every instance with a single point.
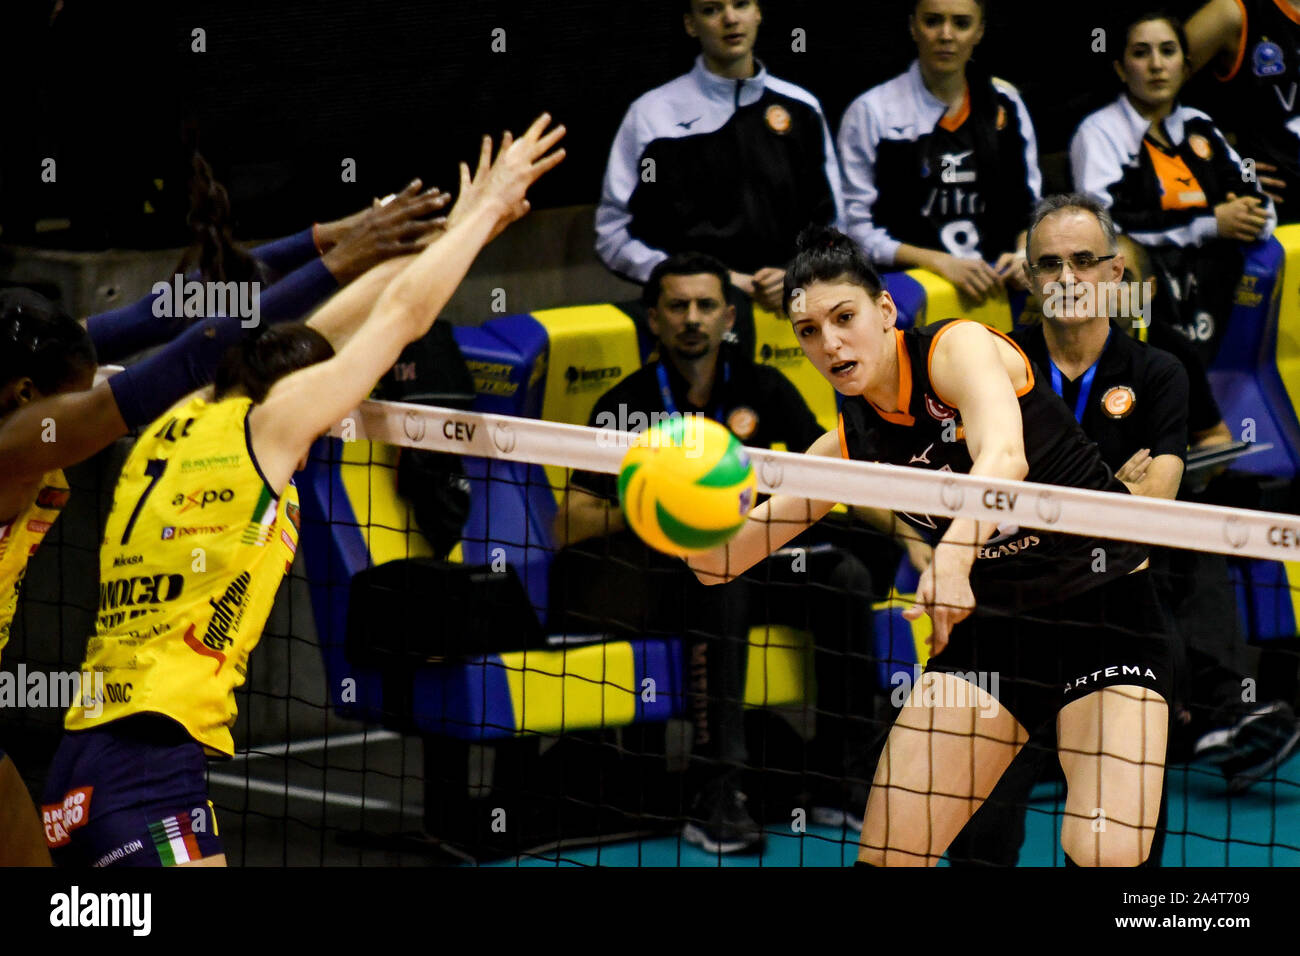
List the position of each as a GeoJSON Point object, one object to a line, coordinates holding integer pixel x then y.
{"type": "Point", "coordinates": [1118, 401]}
{"type": "Point", "coordinates": [1267, 59]}
{"type": "Point", "coordinates": [778, 119]}
{"type": "Point", "coordinates": [743, 422]}
{"type": "Point", "coordinates": [1002, 117]}
{"type": "Point", "coordinates": [938, 410]}
{"type": "Point", "coordinates": [1200, 146]}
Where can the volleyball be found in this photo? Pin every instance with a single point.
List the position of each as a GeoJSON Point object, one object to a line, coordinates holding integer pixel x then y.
{"type": "Point", "coordinates": [686, 485]}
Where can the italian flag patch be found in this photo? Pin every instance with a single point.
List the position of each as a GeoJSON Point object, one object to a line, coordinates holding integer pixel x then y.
{"type": "Point", "coordinates": [174, 840]}
{"type": "Point", "coordinates": [258, 530]}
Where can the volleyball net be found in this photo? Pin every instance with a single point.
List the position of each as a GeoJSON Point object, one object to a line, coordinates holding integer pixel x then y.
{"type": "Point", "coordinates": [515, 701]}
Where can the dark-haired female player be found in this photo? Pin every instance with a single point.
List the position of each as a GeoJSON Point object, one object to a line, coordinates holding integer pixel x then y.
{"type": "Point", "coordinates": [179, 636]}
{"type": "Point", "coordinates": [940, 163]}
{"type": "Point", "coordinates": [51, 417]}
{"type": "Point", "coordinates": [1071, 639]}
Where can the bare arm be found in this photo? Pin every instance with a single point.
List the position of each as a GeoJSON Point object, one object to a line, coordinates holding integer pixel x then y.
{"type": "Point", "coordinates": [1214, 31]}
{"type": "Point", "coordinates": [306, 403]}
{"type": "Point", "coordinates": [1157, 477]}
{"type": "Point", "coordinates": [54, 432]}
{"type": "Point", "coordinates": [968, 372]}
{"type": "Point", "coordinates": [770, 526]}
{"type": "Point", "coordinates": [583, 515]}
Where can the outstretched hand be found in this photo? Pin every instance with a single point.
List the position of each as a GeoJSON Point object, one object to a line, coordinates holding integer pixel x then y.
{"type": "Point", "coordinates": [503, 183]}
{"type": "Point", "coordinates": [397, 226]}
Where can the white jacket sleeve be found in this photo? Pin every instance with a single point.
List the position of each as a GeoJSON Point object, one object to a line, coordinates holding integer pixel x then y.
{"type": "Point", "coordinates": [615, 245]}
{"type": "Point", "coordinates": [858, 139]}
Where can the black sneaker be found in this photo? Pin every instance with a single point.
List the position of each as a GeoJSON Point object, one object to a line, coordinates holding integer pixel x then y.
{"type": "Point", "coordinates": [720, 822]}
{"type": "Point", "coordinates": [1262, 741]}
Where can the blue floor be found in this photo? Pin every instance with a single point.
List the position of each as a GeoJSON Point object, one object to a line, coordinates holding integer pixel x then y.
{"type": "Point", "coordinates": [1258, 828]}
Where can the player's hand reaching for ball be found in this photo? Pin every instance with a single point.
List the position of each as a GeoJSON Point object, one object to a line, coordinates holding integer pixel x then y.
{"type": "Point", "coordinates": [504, 182]}
{"type": "Point", "coordinates": [944, 593]}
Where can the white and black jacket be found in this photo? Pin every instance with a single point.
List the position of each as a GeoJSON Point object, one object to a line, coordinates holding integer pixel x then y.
{"type": "Point", "coordinates": [733, 168]}
{"type": "Point", "coordinates": [910, 176]}
{"type": "Point", "coordinates": [1159, 196]}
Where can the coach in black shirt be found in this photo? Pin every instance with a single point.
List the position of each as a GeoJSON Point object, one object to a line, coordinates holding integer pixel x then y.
{"type": "Point", "coordinates": [605, 579]}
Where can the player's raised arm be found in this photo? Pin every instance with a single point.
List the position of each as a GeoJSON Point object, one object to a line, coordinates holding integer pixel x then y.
{"type": "Point", "coordinates": [770, 526]}
{"type": "Point", "coordinates": [306, 403]}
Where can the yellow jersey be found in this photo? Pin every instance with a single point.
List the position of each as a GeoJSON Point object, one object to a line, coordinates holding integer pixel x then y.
{"type": "Point", "coordinates": [194, 551]}
{"type": "Point", "coordinates": [19, 540]}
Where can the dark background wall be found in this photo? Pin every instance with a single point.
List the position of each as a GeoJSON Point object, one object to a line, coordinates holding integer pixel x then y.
{"type": "Point", "coordinates": [286, 90]}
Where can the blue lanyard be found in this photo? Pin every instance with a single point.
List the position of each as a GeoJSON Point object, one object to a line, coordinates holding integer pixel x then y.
{"type": "Point", "coordinates": [1085, 384]}
{"type": "Point", "coordinates": [670, 406]}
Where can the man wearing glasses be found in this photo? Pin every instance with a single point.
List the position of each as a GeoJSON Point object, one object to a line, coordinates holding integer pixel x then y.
{"type": "Point", "coordinates": [1132, 400]}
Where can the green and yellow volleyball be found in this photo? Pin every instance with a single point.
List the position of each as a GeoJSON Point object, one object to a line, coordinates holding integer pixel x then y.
{"type": "Point", "coordinates": [686, 485]}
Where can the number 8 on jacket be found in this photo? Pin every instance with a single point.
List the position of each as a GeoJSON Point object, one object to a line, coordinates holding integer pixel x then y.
{"type": "Point", "coordinates": [686, 485]}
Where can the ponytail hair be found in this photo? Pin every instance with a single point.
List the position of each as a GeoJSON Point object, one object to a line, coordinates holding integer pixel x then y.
{"type": "Point", "coordinates": [38, 340]}
{"type": "Point", "coordinates": [827, 255]}
{"type": "Point", "coordinates": [262, 359]}
{"type": "Point", "coordinates": [213, 252]}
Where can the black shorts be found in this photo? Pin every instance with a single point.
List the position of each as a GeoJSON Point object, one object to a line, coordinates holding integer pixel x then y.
{"type": "Point", "coordinates": [133, 793]}
{"type": "Point", "coordinates": [1036, 663]}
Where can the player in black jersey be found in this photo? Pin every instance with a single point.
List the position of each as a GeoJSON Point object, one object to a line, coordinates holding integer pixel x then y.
{"type": "Point", "coordinates": [940, 163]}
{"type": "Point", "coordinates": [1067, 635]}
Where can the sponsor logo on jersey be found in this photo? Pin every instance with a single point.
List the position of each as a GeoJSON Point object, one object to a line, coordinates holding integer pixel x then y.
{"type": "Point", "coordinates": [227, 612]}
{"type": "Point", "coordinates": [202, 498]}
{"type": "Point", "coordinates": [60, 819]}
{"type": "Point", "coordinates": [150, 589]}
{"type": "Point", "coordinates": [122, 560]}
{"type": "Point", "coordinates": [288, 541]}
{"type": "Point", "coordinates": [1002, 117]}
{"type": "Point", "coordinates": [211, 462]}
{"type": "Point", "coordinates": [938, 410]}
{"type": "Point", "coordinates": [1200, 146]}
{"type": "Point", "coordinates": [687, 124]}
{"type": "Point", "coordinates": [1118, 401]}
{"type": "Point", "coordinates": [743, 422]}
{"type": "Point", "coordinates": [294, 515]}
{"type": "Point", "coordinates": [191, 530]}
{"type": "Point", "coordinates": [52, 499]}
{"type": "Point", "coordinates": [777, 118]}
{"type": "Point", "coordinates": [1267, 60]}
{"type": "Point", "coordinates": [37, 526]}
{"type": "Point", "coordinates": [1007, 549]}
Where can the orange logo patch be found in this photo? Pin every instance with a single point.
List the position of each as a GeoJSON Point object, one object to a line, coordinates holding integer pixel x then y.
{"type": "Point", "coordinates": [778, 119]}
{"type": "Point", "coordinates": [1118, 401]}
{"type": "Point", "coordinates": [1002, 117]}
{"type": "Point", "coordinates": [743, 422]}
{"type": "Point", "coordinates": [1200, 146]}
{"type": "Point", "coordinates": [61, 819]}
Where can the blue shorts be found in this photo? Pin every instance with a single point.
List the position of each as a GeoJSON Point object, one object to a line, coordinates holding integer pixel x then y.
{"type": "Point", "coordinates": [131, 794]}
